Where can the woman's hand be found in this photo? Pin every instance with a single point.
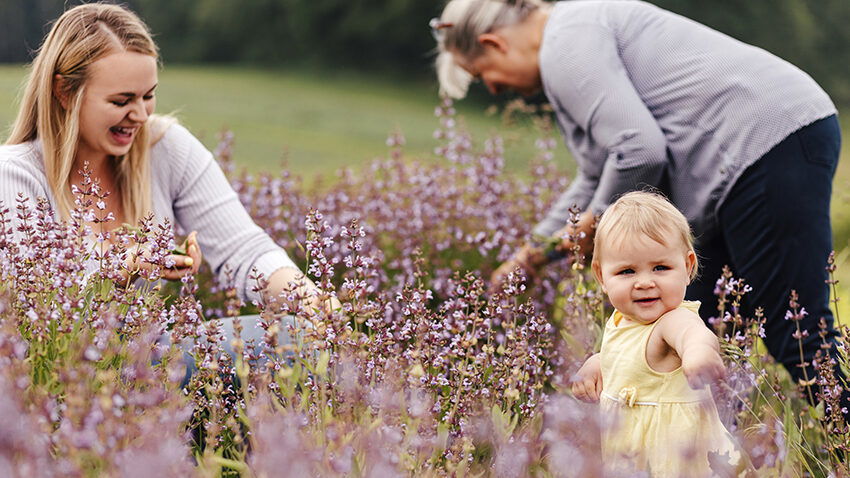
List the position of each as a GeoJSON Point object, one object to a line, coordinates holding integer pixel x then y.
{"type": "Point", "coordinates": [528, 258]}
{"type": "Point", "coordinates": [586, 384]}
{"type": "Point", "coordinates": [188, 263]}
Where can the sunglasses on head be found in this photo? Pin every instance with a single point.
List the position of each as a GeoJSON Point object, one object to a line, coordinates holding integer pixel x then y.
{"type": "Point", "coordinates": [437, 27]}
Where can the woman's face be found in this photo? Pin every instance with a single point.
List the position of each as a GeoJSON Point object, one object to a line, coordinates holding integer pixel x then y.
{"type": "Point", "coordinates": [505, 66]}
{"type": "Point", "coordinates": [118, 100]}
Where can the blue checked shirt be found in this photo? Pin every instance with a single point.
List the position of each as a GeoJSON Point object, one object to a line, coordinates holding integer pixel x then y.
{"type": "Point", "coordinates": [645, 97]}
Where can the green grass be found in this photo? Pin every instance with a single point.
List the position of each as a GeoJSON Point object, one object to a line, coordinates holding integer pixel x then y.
{"type": "Point", "coordinates": [317, 122]}
{"type": "Point", "coordinates": [841, 191]}
{"type": "Point", "coordinates": [841, 224]}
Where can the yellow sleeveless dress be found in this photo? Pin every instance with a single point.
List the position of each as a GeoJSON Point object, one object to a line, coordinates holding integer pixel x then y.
{"type": "Point", "coordinates": [655, 422]}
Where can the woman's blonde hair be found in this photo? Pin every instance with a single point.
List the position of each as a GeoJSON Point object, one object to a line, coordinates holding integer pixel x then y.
{"type": "Point", "coordinates": [457, 31]}
{"type": "Point", "coordinates": [642, 213]}
{"type": "Point", "coordinates": [80, 37]}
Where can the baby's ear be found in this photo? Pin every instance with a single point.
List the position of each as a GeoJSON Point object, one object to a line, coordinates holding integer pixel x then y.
{"type": "Point", "coordinates": [691, 263]}
{"type": "Point", "coordinates": [597, 274]}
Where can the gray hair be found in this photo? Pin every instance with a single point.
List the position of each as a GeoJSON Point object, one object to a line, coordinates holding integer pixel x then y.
{"type": "Point", "coordinates": [457, 31]}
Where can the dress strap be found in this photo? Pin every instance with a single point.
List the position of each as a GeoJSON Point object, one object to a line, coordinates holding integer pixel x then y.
{"type": "Point", "coordinates": [692, 305]}
{"type": "Point", "coordinates": [617, 317]}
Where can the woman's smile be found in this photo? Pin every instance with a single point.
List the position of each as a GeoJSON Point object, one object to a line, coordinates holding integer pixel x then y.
{"type": "Point", "coordinates": [123, 135]}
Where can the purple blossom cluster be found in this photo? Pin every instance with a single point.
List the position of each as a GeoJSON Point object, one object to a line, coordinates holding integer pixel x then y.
{"type": "Point", "coordinates": [86, 388]}
{"type": "Point", "coordinates": [422, 371]}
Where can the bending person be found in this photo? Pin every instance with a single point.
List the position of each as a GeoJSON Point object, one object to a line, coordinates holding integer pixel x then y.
{"type": "Point", "coordinates": [90, 99]}
{"type": "Point", "coordinates": [742, 142]}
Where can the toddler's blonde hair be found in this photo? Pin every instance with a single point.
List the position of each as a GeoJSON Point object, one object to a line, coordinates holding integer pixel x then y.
{"type": "Point", "coordinates": [643, 213]}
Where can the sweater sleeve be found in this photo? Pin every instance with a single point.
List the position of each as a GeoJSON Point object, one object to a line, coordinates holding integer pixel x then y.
{"type": "Point", "coordinates": [615, 139]}
{"type": "Point", "coordinates": [17, 179]}
{"type": "Point", "coordinates": [204, 201]}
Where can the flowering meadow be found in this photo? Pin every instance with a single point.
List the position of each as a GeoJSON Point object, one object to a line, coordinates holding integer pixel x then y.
{"type": "Point", "coordinates": [422, 372]}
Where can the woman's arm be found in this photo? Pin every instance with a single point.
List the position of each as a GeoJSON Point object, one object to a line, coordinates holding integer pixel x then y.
{"type": "Point", "coordinates": [531, 257]}
{"type": "Point", "coordinates": [610, 129]}
{"type": "Point", "coordinates": [613, 136]}
{"type": "Point", "coordinates": [577, 195]}
{"type": "Point", "coordinates": [19, 180]}
{"type": "Point", "coordinates": [204, 201]}
{"type": "Point", "coordinates": [281, 279]}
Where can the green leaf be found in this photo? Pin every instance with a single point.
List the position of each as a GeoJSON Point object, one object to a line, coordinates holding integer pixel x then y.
{"type": "Point", "coordinates": [817, 412]}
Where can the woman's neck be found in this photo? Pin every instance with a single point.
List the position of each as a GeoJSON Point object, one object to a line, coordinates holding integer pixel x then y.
{"type": "Point", "coordinates": [100, 168]}
{"type": "Point", "coordinates": [87, 158]}
{"type": "Point", "coordinates": [536, 23]}
{"type": "Point", "coordinates": [103, 170]}
{"type": "Point", "coordinates": [527, 36]}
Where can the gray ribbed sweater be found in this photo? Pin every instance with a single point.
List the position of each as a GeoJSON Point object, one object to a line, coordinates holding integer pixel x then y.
{"type": "Point", "coordinates": [188, 188]}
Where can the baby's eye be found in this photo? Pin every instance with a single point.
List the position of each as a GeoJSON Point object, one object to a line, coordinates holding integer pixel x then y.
{"type": "Point", "coordinates": [147, 97]}
{"type": "Point", "coordinates": [625, 272]}
{"type": "Point", "coordinates": [661, 268]}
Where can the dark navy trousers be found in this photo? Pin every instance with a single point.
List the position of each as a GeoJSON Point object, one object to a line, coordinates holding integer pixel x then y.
{"type": "Point", "coordinates": [775, 233]}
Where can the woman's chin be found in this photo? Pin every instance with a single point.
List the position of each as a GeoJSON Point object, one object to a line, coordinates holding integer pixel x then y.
{"type": "Point", "coordinates": [119, 149]}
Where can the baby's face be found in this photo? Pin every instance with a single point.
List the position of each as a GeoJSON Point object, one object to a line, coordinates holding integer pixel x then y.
{"type": "Point", "coordinates": [645, 279]}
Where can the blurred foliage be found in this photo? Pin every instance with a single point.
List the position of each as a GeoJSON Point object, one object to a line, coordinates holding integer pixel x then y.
{"type": "Point", "coordinates": [23, 25]}
{"type": "Point", "coordinates": [364, 32]}
{"type": "Point", "coordinates": [812, 34]}
{"type": "Point", "coordinates": [393, 35]}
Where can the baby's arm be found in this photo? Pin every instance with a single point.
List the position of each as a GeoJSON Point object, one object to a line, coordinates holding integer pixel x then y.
{"type": "Point", "coordinates": [586, 384]}
{"type": "Point", "coordinates": [696, 345]}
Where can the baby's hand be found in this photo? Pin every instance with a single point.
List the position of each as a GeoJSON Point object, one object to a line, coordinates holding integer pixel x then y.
{"type": "Point", "coordinates": [586, 384]}
{"type": "Point", "coordinates": [702, 366]}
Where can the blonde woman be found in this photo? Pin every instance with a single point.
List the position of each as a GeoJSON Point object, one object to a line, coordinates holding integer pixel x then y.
{"type": "Point", "coordinates": [742, 142]}
{"type": "Point", "coordinates": [90, 99]}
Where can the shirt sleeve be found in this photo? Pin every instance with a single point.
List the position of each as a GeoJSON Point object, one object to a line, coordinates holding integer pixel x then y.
{"type": "Point", "coordinates": [204, 201]}
{"type": "Point", "coordinates": [578, 194]}
{"type": "Point", "coordinates": [612, 134]}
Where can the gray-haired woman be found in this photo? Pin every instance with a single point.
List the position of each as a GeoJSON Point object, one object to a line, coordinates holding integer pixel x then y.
{"type": "Point", "coordinates": [742, 142]}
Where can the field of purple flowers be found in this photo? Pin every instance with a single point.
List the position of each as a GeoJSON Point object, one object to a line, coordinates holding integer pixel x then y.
{"type": "Point", "coordinates": [422, 373]}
